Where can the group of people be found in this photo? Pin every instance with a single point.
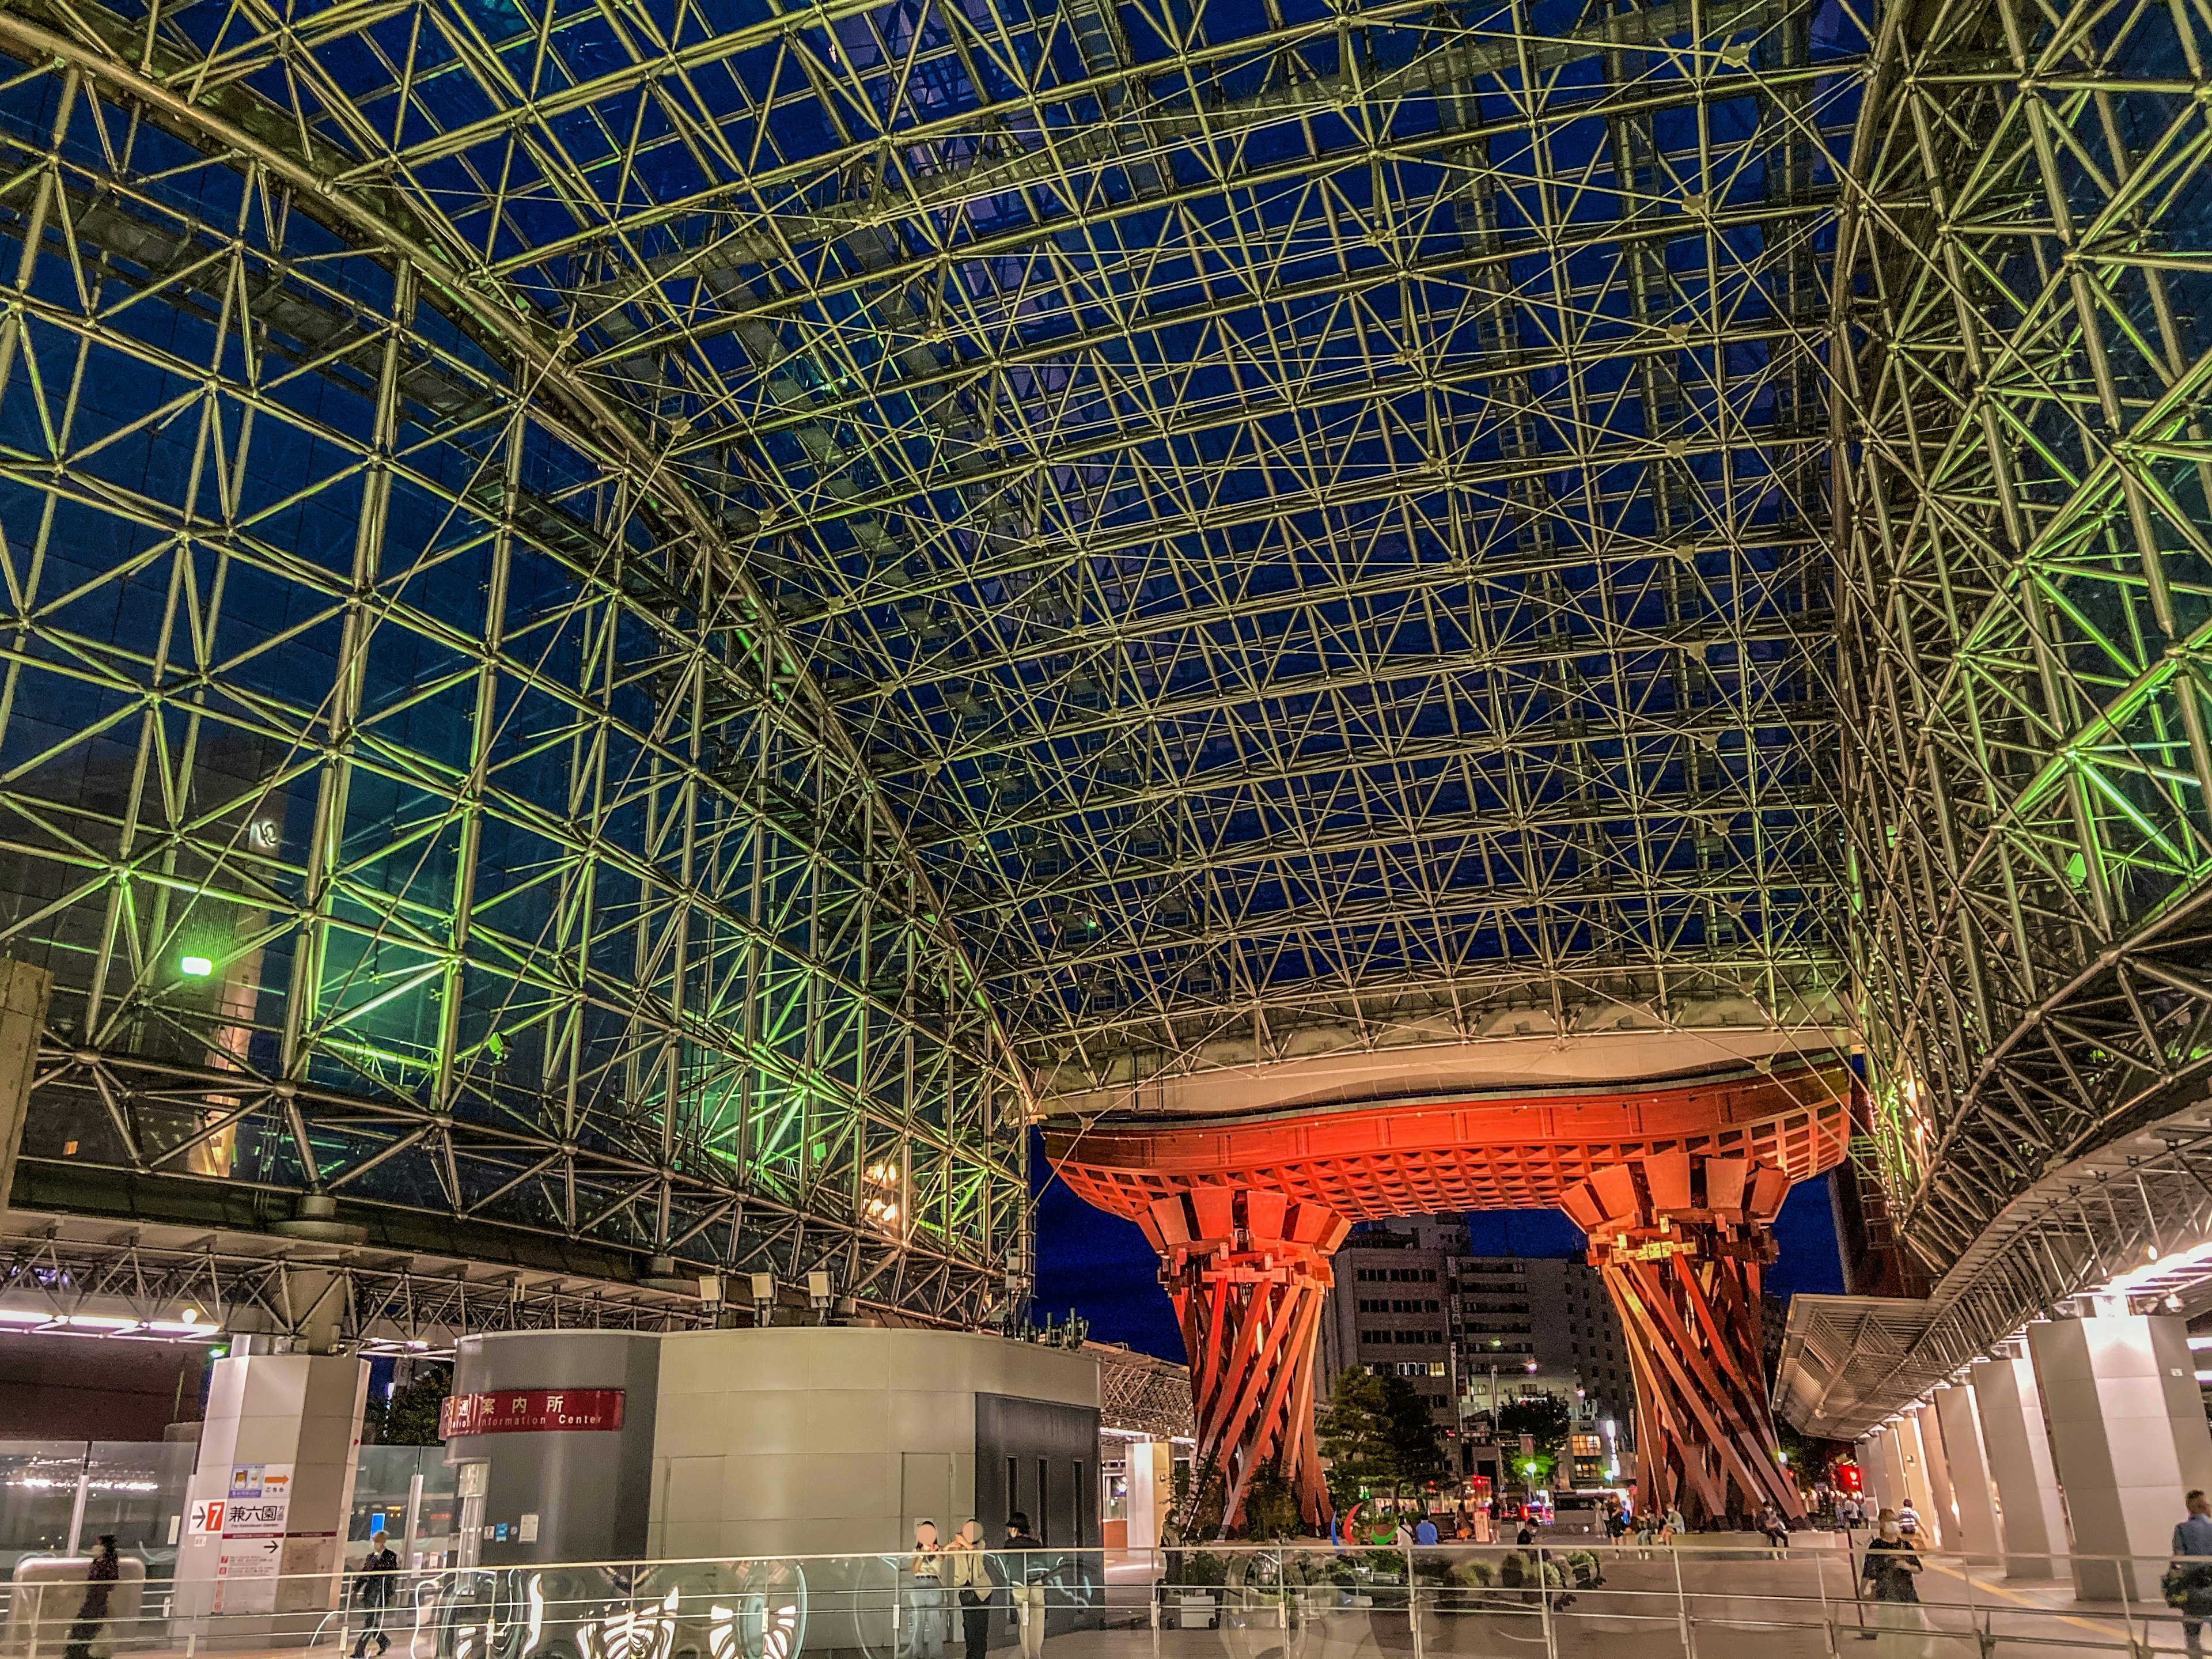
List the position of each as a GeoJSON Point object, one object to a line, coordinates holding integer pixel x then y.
{"type": "Point", "coordinates": [965, 1576]}
{"type": "Point", "coordinates": [1442, 1527]}
{"type": "Point", "coordinates": [1852, 1513]}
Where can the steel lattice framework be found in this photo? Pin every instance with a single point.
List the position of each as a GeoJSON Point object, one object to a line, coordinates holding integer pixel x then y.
{"type": "Point", "coordinates": [2022, 356]}
{"type": "Point", "coordinates": [643, 622]}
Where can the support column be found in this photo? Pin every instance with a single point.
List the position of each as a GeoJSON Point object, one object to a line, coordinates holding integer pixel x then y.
{"type": "Point", "coordinates": [2033, 1520]}
{"type": "Point", "coordinates": [2128, 1438]}
{"type": "Point", "coordinates": [1917, 1486]}
{"type": "Point", "coordinates": [1141, 1518]}
{"type": "Point", "coordinates": [276, 1453]}
{"type": "Point", "coordinates": [1871, 1473]}
{"type": "Point", "coordinates": [1681, 1242]}
{"type": "Point", "coordinates": [1892, 1455]}
{"type": "Point", "coordinates": [1942, 1511]}
{"type": "Point", "coordinates": [1971, 1496]}
{"type": "Point", "coordinates": [1248, 1272]}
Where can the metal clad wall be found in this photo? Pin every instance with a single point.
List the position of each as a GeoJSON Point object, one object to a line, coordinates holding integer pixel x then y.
{"type": "Point", "coordinates": [1024, 1434]}
{"type": "Point", "coordinates": [591, 1490]}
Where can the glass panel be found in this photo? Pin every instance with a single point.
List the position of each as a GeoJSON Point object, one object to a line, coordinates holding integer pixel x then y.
{"type": "Point", "coordinates": [37, 1490]}
{"type": "Point", "coordinates": [436, 1529]}
{"type": "Point", "coordinates": [136, 1490]}
{"type": "Point", "coordinates": [381, 1477]}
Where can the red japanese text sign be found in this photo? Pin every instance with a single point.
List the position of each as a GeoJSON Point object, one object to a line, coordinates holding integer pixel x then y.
{"type": "Point", "coordinates": [531, 1411]}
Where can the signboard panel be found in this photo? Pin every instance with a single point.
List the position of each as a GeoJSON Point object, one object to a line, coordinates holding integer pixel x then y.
{"type": "Point", "coordinates": [531, 1411]}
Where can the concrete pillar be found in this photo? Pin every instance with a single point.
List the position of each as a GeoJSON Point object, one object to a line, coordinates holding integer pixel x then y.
{"type": "Point", "coordinates": [1143, 1516]}
{"type": "Point", "coordinates": [1874, 1465]}
{"type": "Point", "coordinates": [277, 1453]}
{"type": "Point", "coordinates": [1973, 1500]}
{"type": "Point", "coordinates": [1892, 1467]}
{"type": "Point", "coordinates": [1918, 1486]}
{"type": "Point", "coordinates": [2129, 1438]}
{"type": "Point", "coordinates": [1942, 1512]}
{"type": "Point", "coordinates": [2033, 1520]}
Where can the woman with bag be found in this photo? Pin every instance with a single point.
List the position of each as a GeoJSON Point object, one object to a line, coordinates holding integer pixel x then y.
{"type": "Point", "coordinates": [971, 1586]}
{"type": "Point", "coordinates": [1890, 1568]}
{"type": "Point", "coordinates": [925, 1594]}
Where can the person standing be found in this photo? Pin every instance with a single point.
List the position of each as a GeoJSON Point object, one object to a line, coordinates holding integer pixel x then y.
{"type": "Point", "coordinates": [92, 1611]}
{"type": "Point", "coordinates": [1908, 1519]}
{"type": "Point", "coordinates": [970, 1583]}
{"type": "Point", "coordinates": [925, 1595]}
{"type": "Point", "coordinates": [2191, 1577]}
{"type": "Point", "coordinates": [372, 1593]}
{"type": "Point", "coordinates": [1025, 1574]}
{"type": "Point", "coordinates": [1889, 1570]}
{"type": "Point", "coordinates": [1425, 1532]}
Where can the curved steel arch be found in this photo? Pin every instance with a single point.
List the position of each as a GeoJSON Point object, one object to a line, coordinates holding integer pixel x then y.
{"type": "Point", "coordinates": [2023, 362]}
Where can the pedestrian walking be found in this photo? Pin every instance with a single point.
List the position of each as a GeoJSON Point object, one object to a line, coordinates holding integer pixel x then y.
{"type": "Point", "coordinates": [92, 1611]}
{"type": "Point", "coordinates": [1908, 1519]}
{"type": "Point", "coordinates": [372, 1593]}
{"type": "Point", "coordinates": [1025, 1572]}
{"type": "Point", "coordinates": [2188, 1584]}
{"type": "Point", "coordinates": [1889, 1571]}
{"type": "Point", "coordinates": [925, 1595]}
{"type": "Point", "coordinates": [969, 1579]}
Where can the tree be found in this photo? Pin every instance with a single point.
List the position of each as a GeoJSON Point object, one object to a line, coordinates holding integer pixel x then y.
{"type": "Point", "coordinates": [1271, 1507]}
{"type": "Point", "coordinates": [1544, 1419]}
{"type": "Point", "coordinates": [1377, 1432]}
{"type": "Point", "coordinates": [410, 1417]}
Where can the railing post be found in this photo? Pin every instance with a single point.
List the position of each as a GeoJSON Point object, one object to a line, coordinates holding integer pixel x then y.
{"type": "Point", "coordinates": [76, 1505]}
{"type": "Point", "coordinates": [1413, 1609]}
{"type": "Point", "coordinates": [1827, 1618]}
{"type": "Point", "coordinates": [1544, 1603]}
{"type": "Point", "coordinates": [1682, 1604]}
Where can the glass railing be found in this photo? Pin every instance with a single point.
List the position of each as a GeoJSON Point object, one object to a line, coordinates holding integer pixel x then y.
{"type": "Point", "coordinates": [1695, 1599]}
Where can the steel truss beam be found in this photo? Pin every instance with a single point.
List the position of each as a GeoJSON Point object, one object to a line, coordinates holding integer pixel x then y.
{"type": "Point", "coordinates": [654, 538]}
{"type": "Point", "coordinates": [2022, 503]}
{"type": "Point", "coordinates": [2138, 1199]}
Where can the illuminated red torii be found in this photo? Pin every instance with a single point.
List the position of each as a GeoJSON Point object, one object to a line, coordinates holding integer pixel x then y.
{"type": "Point", "coordinates": [1676, 1182]}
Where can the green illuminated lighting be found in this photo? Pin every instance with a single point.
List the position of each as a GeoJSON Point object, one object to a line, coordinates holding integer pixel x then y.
{"type": "Point", "coordinates": [196, 967]}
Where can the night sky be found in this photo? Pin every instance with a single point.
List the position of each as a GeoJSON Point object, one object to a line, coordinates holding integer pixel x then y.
{"type": "Point", "coordinates": [1100, 1266]}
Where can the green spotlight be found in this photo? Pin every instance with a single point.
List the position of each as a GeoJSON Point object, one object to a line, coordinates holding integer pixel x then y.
{"type": "Point", "coordinates": [196, 967]}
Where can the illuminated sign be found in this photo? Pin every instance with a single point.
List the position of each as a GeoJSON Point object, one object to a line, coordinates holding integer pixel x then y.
{"type": "Point", "coordinates": [531, 1411]}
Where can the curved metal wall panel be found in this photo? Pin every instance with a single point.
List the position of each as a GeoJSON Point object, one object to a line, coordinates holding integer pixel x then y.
{"type": "Point", "coordinates": [412, 800]}
{"type": "Point", "coordinates": [2024, 341]}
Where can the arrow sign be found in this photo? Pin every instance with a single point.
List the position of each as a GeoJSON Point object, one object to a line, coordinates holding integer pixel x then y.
{"type": "Point", "coordinates": [207, 1515]}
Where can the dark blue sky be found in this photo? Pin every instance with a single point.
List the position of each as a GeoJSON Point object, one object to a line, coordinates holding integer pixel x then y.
{"type": "Point", "coordinates": [1099, 1266]}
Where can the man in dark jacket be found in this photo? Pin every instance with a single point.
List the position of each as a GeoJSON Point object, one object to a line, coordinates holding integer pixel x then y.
{"type": "Point", "coordinates": [373, 1594]}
